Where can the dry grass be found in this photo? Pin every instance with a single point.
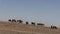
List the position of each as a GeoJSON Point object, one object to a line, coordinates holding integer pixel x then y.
{"type": "Point", "coordinates": [15, 28]}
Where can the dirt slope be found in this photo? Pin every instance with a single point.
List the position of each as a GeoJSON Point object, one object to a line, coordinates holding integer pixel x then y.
{"type": "Point", "coordinates": [15, 28]}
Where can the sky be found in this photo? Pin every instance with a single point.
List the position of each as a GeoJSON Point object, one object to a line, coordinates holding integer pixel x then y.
{"type": "Point", "coordinates": [39, 11]}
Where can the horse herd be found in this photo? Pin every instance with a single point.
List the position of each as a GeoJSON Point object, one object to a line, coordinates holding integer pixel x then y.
{"type": "Point", "coordinates": [33, 23]}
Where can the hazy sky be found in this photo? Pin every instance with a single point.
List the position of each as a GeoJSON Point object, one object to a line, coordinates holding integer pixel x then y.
{"type": "Point", "coordinates": [45, 11]}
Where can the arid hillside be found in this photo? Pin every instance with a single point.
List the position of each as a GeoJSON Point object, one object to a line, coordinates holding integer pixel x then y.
{"type": "Point", "coordinates": [18, 28]}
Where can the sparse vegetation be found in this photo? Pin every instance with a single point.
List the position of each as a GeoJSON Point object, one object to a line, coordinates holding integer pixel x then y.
{"type": "Point", "coordinates": [15, 28]}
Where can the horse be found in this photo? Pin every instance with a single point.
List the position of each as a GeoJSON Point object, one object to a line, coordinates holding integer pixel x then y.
{"type": "Point", "coordinates": [20, 21]}
{"type": "Point", "coordinates": [53, 27]}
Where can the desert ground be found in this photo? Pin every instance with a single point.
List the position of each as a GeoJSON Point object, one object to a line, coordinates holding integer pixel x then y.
{"type": "Point", "coordinates": [18, 28]}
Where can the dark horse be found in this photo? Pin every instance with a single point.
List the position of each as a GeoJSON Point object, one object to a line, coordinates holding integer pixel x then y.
{"type": "Point", "coordinates": [53, 27]}
{"type": "Point", "coordinates": [33, 23]}
{"type": "Point", "coordinates": [41, 24]}
{"type": "Point", "coordinates": [9, 20]}
{"type": "Point", "coordinates": [13, 20]}
{"type": "Point", "coordinates": [20, 21]}
{"type": "Point", "coordinates": [26, 22]}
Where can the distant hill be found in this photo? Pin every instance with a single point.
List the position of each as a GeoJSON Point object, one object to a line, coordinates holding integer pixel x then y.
{"type": "Point", "coordinates": [15, 28]}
